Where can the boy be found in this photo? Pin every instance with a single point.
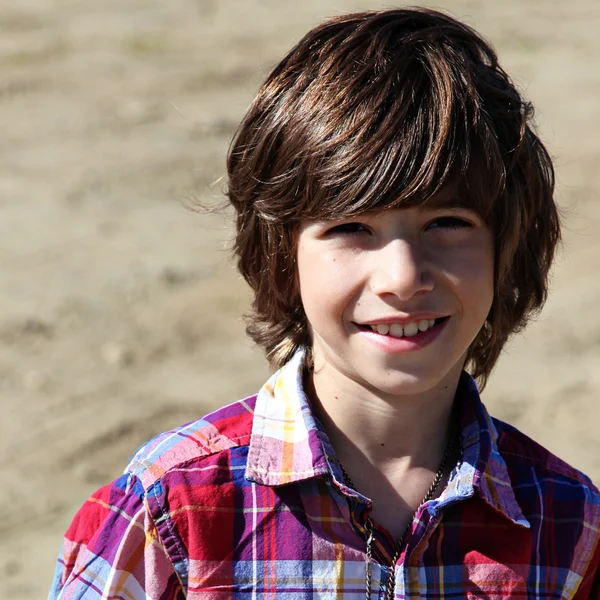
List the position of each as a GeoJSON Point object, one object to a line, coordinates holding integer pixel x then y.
{"type": "Point", "coordinates": [396, 222]}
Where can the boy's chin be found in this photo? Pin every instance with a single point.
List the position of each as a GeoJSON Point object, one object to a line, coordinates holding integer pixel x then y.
{"type": "Point", "coordinates": [411, 382]}
{"type": "Point", "coordinates": [404, 386]}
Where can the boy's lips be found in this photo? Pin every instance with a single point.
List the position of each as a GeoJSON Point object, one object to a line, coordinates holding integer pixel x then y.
{"type": "Point", "coordinates": [403, 328]}
{"type": "Point", "coordinates": [411, 336]}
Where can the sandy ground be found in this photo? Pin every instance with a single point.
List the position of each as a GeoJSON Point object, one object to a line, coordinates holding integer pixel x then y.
{"type": "Point", "coordinates": [119, 312]}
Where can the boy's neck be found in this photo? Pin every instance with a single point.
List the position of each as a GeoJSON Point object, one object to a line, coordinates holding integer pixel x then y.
{"type": "Point", "coordinates": [390, 433]}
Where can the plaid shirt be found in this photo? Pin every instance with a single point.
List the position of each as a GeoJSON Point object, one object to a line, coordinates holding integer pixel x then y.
{"type": "Point", "coordinates": [249, 502]}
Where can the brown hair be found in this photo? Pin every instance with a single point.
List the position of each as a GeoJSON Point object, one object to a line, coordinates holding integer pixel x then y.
{"type": "Point", "coordinates": [385, 109]}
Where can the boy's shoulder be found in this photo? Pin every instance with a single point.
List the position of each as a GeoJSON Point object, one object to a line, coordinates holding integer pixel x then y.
{"type": "Point", "coordinates": [225, 428]}
{"type": "Point", "coordinates": [531, 460]}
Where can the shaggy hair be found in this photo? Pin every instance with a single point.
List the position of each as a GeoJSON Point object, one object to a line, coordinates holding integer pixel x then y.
{"type": "Point", "coordinates": [380, 110]}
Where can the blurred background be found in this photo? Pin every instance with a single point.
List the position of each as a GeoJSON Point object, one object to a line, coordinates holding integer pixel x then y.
{"type": "Point", "coordinates": [120, 307]}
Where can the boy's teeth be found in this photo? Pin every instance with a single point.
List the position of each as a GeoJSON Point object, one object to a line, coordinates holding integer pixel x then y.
{"type": "Point", "coordinates": [423, 325]}
{"type": "Point", "coordinates": [409, 330]}
{"type": "Point", "coordinates": [396, 330]}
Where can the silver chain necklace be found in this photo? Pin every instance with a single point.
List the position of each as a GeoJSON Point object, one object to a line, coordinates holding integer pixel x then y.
{"type": "Point", "coordinates": [369, 536]}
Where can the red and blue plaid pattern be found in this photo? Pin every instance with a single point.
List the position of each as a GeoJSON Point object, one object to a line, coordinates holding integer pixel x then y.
{"type": "Point", "coordinates": [249, 503]}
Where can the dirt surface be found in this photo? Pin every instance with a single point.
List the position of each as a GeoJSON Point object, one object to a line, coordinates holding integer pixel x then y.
{"type": "Point", "coordinates": [119, 312]}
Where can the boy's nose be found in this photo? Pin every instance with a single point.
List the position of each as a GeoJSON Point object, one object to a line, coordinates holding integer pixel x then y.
{"type": "Point", "coordinates": [400, 270]}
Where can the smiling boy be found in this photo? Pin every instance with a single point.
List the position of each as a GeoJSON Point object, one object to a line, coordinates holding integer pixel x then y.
{"type": "Point", "coordinates": [396, 222]}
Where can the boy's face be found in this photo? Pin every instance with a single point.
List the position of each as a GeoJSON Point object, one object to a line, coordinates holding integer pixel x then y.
{"type": "Point", "coordinates": [421, 277]}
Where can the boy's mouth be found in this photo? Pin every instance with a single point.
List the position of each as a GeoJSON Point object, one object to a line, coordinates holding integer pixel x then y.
{"type": "Point", "coordinates": [407, 330]}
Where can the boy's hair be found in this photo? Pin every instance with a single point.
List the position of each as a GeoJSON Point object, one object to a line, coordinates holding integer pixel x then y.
{"type": "Point", "coordinates": [377, 110]}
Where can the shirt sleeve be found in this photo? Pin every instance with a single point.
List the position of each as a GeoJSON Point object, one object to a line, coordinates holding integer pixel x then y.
{"type": "Point", "coordinates": [589, 589]}
{"type": "Point", "coordinates": [113, 550]}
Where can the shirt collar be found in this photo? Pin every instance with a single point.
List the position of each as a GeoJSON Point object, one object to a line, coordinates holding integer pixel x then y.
{"type": "Point", "coordinates": [482, 468]}
{"type": "Point", "coordinates": [288, 444]}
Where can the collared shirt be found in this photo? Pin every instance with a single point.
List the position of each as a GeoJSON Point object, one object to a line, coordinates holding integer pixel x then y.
{"type": "Point", "coordinates": [249, 503]}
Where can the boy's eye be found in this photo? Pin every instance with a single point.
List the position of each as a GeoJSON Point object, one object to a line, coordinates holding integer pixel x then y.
{"type": "Point", "coordinates": [349, 228]}
{"type": "Point", "coordinates": [449, 223]}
